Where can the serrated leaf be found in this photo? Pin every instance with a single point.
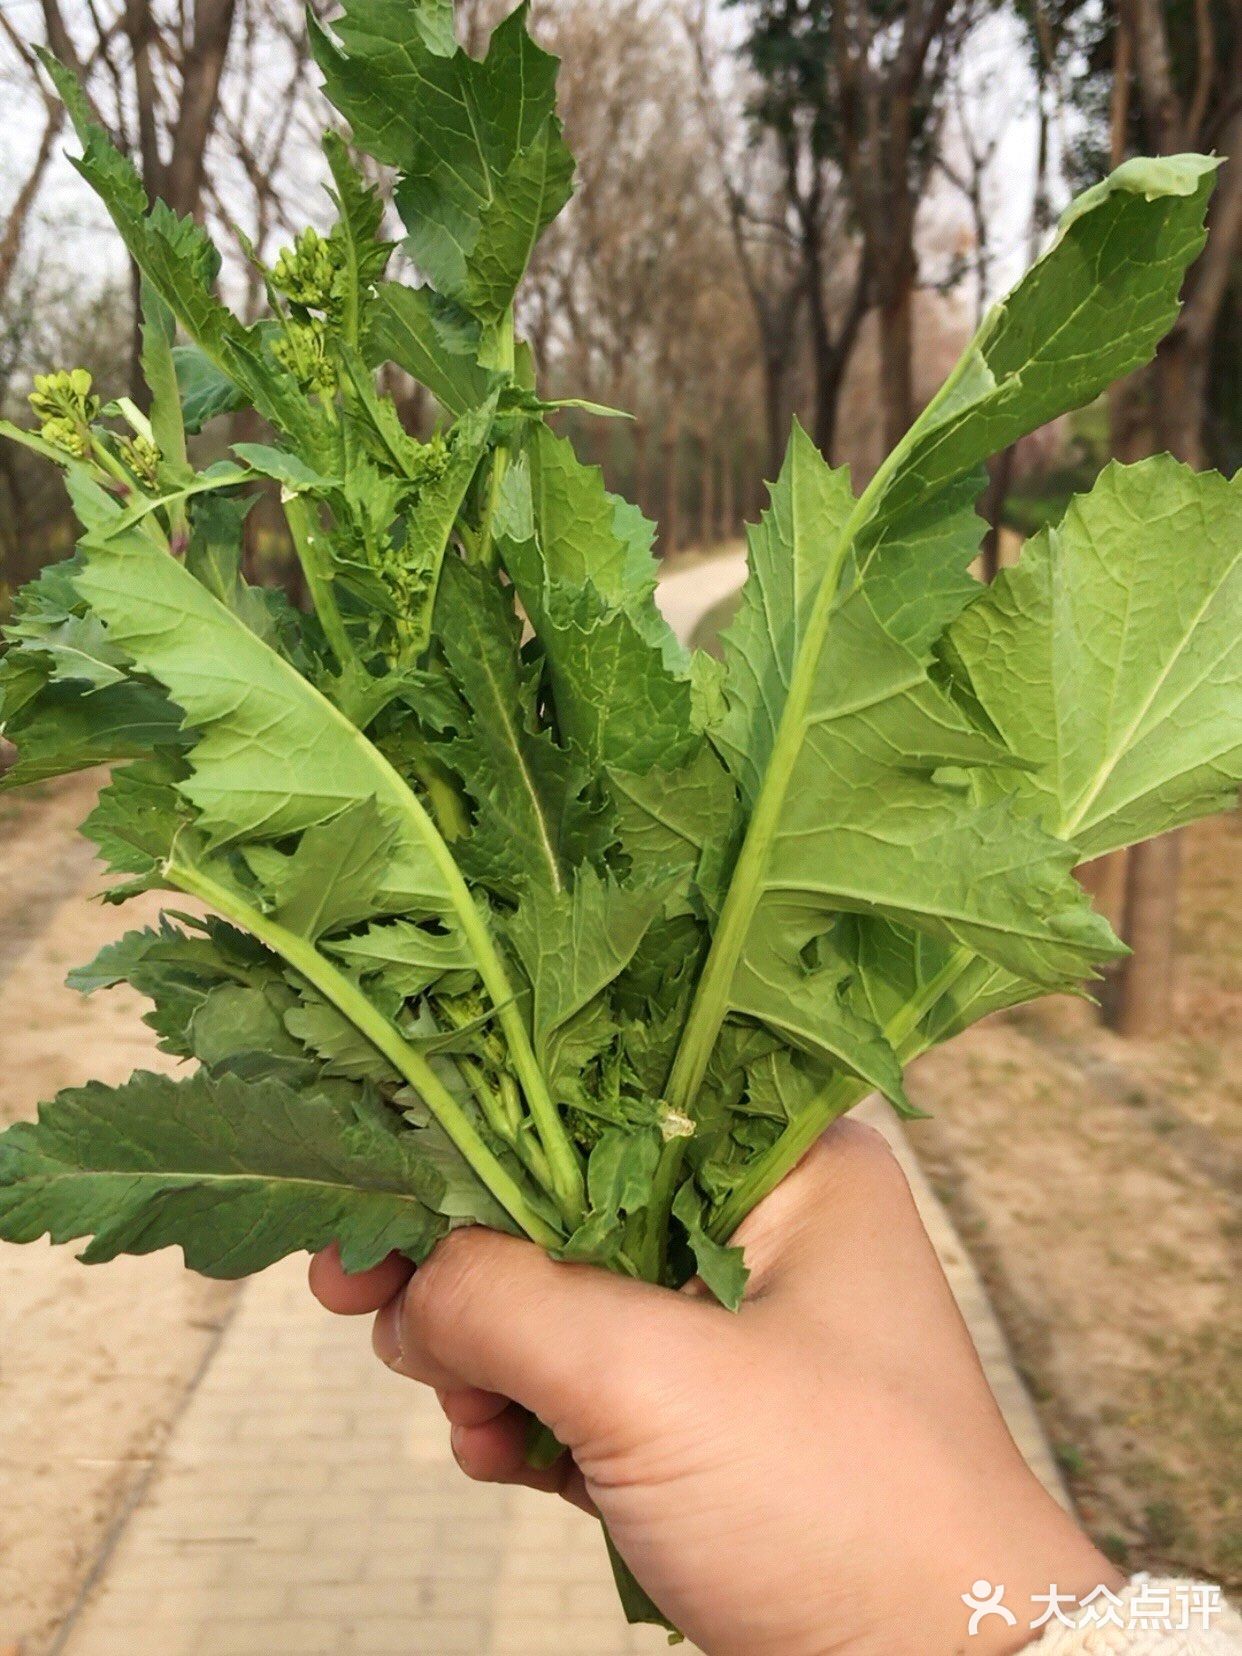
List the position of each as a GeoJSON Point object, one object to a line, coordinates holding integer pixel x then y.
{"type": "Point", "coordinates": [803, 994]}
{"type": "Point", "coordinates": [409, 957]}
{"type": "Point", "coordinates": [434, 341]}
{"type": "Point", "coordinates": [864, 821]}
{"type": "Point", "coordinates": [60, 728]}
{"type": "Point", "coordinates": [237, 1174]}
{"type": "Point", "coordinates": [531, 822]}
{"type": "Point", "coordinates": [337, 876]}
{"type": "Point", "coordinates": [206, 390]}
{"type": "Point", "coordinates": [679, 820]}
{"type": "Point", "coordinates": [363, 254]}
{"type": "Point", "coordinates": [138, 816]}
{"type": "Point", "coordinates": [1111, 657]}
{"type": "Point", "coordinates": [484, 167]}
{"type": "Point", "coordinates": [572, 946]}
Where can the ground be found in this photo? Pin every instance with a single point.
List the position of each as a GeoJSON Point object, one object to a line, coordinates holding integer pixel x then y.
{"type": "Point", "coordinates": [96, 1360]}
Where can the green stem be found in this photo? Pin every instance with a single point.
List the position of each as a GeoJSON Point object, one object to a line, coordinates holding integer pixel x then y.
{"type": "Point", "coordinates": [653, 1254]}
{"type": "Point", "coordinates": [841, 1094]}
{"type": "Point", "coordinates": [308, 545]}
{"type": "Point", "coordinates": [500, 1105]}
{"type": "Point", "coordinates": [711, 1000]}
{"type": "Point", "coordinates": [406, 1059]}
{"type": "Point", "coordinates": [485, 550]}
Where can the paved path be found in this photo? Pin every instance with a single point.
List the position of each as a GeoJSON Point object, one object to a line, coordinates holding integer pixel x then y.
{"type": "Point", "coordinates": [307, 1501]}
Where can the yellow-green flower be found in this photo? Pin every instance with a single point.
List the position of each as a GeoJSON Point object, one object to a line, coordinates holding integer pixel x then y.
{"type": "Point", "coordinates": [65, 406]}
{"type": "Point", "coordinates": [142, 457]}
{"type": "Point", "coordinates": [303, 348]}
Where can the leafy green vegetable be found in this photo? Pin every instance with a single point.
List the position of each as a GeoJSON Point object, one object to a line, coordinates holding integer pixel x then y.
{"type": "Point", "coordinates": [519, 913]}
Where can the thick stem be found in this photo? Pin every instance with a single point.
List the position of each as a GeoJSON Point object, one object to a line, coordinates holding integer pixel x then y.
{"type": "Point", "coordinates": [406, 1059]}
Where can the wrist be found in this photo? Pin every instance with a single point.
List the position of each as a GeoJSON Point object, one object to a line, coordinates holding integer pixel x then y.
{"type": "Point", "coordinates": [1039, 1558]}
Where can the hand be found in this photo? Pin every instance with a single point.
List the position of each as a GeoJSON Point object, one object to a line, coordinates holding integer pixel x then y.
{"type": "Point", "coordinates": [824, 1472]}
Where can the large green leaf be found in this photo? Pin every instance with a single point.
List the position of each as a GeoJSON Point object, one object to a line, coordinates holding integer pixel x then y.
{"type": "Point", "coordinates": [273, 756]}
{"type": "Point", "coordinates": [484, 167]}
{"type": "Point", "coordinates": [237, 1174]}
{"type": "Point", "coordinates": [833, 728]}
{"type": "Point", "coordinates": [866, 823]}
{"type": "Point", "coordinates": [1092, 309]}
{"type": "Point", "coordinates": [1110, 658]}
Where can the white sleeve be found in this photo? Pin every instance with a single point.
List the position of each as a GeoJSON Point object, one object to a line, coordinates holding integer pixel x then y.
{"type": "Point", "coordinates": [1150, 1617]}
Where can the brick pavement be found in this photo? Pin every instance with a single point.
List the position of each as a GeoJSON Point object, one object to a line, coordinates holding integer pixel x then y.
{"type": "Point", "coordinates": [307, 1503]}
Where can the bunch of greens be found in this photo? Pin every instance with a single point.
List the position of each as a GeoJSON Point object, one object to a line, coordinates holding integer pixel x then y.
{"type": "Point", "coordinates": [507, 909]}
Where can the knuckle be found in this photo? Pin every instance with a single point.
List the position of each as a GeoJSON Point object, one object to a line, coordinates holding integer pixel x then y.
{"type": "Point", "coordinates": [870, 1153]}
{"type": "Point", "coordinates": [441, 1289]}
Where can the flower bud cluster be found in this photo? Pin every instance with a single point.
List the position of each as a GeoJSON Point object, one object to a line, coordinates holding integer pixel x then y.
{"type": "Point", "coordinates": [142, 457]}
{"type": "Point", "coordinates": [303, 349]}
{"type": "Point", "coordinates": [65, 407]}
{"type": "Point", "coordinates": [307, 273]}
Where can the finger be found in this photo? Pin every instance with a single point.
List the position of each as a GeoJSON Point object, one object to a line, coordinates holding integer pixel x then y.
{"type": "Point", "coordinates": [468, 1406]}
{"type": "Point", "coordinates": [495, 1452]}
{"type": "Point", "coordinates": [576, 1345]}
{"type": "Point", "coordinates": [358, 1294]}
{"type": "Point", "coordinates": [411, 1357]}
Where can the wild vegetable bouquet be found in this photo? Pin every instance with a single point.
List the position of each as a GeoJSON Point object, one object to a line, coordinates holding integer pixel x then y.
{"type": "Point", "coordinates": [507, 909]}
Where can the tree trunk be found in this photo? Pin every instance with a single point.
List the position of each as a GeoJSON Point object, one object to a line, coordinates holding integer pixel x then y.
{"type": "Point", "coordinates": [642, 466]}
{"type": "Point", "coordinates": [894, 316]}
{"type": "Point", "coordinates": [707, 495]}
{"type": "Point", "coordinates": [992, 508]}
{"type": "Point", "coordinates": [775, 418]}
{"type": "Point", "coordinates": [1104, 879]}
{"type": "Point", "coordinates": [670, 516]}
{"type": "Point", "coordinates": [1181, 397]}
{"type": "Point", "coordinates": [728, 493]}
{"type": "Point", "coordinates": [1145, 981]}
{"type": "Point", "coordinates": [829, 377]}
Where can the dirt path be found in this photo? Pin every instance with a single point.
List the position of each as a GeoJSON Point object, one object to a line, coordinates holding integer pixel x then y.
{"type": "Point", "coordinates": [1097, 1184]}
{"type": "Point", "coordinates": [93, 1364]}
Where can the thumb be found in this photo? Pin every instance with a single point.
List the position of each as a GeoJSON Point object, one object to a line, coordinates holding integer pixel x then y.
{"type": "Point", "coordinates": [588, 1352]}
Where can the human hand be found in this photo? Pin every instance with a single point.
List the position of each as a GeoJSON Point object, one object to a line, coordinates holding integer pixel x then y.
{"type": "Point", "coordinates": [824, 1472]}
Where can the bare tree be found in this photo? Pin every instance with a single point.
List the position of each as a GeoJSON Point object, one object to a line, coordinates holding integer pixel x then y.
{"type": "Point", "coordinates": [158, 77]}
{"type": "Point", "coordinates": [891, 69]}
